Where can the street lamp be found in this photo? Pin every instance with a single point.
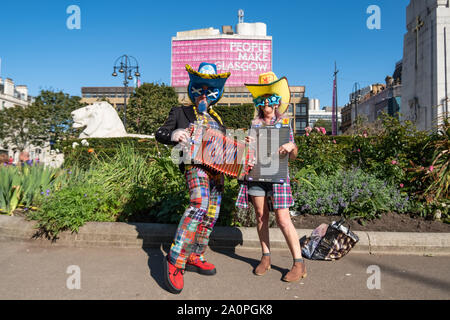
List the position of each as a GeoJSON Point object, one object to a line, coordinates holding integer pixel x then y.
{"type": "Point", "coordinates": [356, 97]}
{"type": "Point", "coordinates": [126, 66]}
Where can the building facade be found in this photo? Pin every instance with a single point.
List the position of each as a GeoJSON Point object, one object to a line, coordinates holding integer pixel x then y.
{"type": "Point", "coordinates": [426, 59]}
{"type": "Point", "coordinates": [11, 95]}
{"type": "Point", "coordinates": [114, 95]}
{"type": "Point", "coordinates": [370, 102]}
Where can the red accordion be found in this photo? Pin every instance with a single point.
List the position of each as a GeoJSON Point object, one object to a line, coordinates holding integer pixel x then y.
{"type": "Point", "coordinates": [220, 152]}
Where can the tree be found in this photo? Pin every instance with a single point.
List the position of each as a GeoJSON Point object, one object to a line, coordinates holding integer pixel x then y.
{"type": "Point", "coordinates": [149, 106]}
{"type": "Point", "coordinates": [18, 128]}
{"type": "Point", "coordinates": [46, 120]}
{"type": "Point", "coordinates": [52, 110]}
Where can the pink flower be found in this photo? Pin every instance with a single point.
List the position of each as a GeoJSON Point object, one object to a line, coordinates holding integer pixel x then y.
{"type": "Point", "coordinates": [401, 185]}
{"type": "Point", "coordinates": [317, 129]}
{"type": "Point", "coordinates": [431, 168]}
{"type": "Point", "coordinates": [394, 162]}
{"type": "Point", "coordinates": [308, 129]}
{"type": "Point", "coordinates": [359, 150]}
{"type": "Point", "coordinates": [323, 130]}
{"type": "Point", "coordinates": [334, 141]}
{"type": "Point", "coordinates": [307, 134]}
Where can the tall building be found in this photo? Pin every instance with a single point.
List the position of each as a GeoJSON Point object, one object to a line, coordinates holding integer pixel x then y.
{"type": "Point", "coordinates": [246, 52]}
{"type": "Point", "coordinates": [426, 59]}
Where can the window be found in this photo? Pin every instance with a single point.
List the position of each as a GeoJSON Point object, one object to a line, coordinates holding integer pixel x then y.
{"type": "Point", "coordinates": [303, 108]}
{"type": "Point", "coordinates": [300, 109]}
{"type": "Point", "coordinates": [300, 124]}
{"type": "Point", "coordinates": [290, 108]}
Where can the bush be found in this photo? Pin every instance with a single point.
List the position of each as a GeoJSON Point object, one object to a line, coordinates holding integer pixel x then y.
{"type": "Point", "coordinates": [72, 207]}
{"type": "Point", "coordinates": [320, 152]}
{"type": "Point", "coordinates": [350, 193]}
{"type": "Point", "coordinates": [236, 117]}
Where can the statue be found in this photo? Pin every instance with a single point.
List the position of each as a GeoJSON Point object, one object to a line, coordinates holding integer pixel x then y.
{"type": "Point", "coordinates": [101, 121]}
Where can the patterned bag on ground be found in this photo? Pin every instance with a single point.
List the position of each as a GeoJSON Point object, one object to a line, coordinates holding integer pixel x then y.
{"type": "Point", "coordinates": [328, 242]}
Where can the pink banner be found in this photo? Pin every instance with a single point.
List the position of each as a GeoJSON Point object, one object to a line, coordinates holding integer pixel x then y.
{"type": "Point", "coordinates": [244, 58]}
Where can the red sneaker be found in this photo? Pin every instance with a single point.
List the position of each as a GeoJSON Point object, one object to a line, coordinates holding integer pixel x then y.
{"type": "Point", "coordinates": [196, 265]}
{"type": "Point", "coordinates": [173, 277]}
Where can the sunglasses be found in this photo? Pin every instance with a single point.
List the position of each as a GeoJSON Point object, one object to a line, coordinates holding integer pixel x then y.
{"type": "Point", "coordinates": [210, 93]}
{"type": "Point", "coordinates": [261, 101]}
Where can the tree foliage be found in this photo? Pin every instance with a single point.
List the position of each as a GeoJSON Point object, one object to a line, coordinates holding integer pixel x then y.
{"type": "Point", "coordinates": [149, 106]}
{"type": "Point", "coordinates": [46, 120]}
{"type": "Point", "coordinates": [52, 111]}
{"type": "Point", "coordinates": [18, 128]}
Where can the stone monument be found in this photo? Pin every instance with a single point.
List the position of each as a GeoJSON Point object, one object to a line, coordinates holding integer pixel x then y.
{"type": "Point", "coordinates": [101, 121]}
{"type": "Point", "coordinates": [426, 58]}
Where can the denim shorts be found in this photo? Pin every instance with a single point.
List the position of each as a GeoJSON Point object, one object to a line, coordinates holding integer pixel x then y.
{"type": "Point", "coordinates": [260, 189]}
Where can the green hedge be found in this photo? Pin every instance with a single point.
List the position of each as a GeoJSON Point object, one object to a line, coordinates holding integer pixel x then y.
{"type": "Point", "coordinates": [102, 148]}
{"type": "Point", "coordinates": [236, 117]}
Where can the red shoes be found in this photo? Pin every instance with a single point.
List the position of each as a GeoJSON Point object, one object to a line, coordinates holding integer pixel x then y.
{"type": "Point", "coordinates": [173, 277]}
{"type": "Point", "coordinates": [196, 265]}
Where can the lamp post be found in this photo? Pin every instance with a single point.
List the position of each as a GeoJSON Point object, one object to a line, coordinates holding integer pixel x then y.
{"type": "Point", "coordinates": [356, 97]}
{"type": "Point", "coordinates": [126, 64]}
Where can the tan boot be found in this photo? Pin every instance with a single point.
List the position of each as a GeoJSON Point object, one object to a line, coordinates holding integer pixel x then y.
{"type": "Point", "coordinates": [264, 265]}
{"type": "Point", "coordinates": [297, 272]}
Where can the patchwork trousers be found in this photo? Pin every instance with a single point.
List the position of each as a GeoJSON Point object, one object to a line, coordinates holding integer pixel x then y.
{"type": "Point", "coordinates": [197, 222]}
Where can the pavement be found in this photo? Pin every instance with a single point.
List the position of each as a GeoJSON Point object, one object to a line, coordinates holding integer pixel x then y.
{"type": "Point", "coordinates": [124, 261]}
{"type": "Point", "coordinates": [148, 235]}
{"type": "Point", "coordinates": [31, 271]}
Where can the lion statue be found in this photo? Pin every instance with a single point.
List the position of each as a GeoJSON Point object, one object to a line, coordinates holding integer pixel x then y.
{"type": "Point", "coordinates": [101, 121]}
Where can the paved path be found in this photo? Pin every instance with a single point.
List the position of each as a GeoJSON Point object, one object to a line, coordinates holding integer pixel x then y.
{"type": "Point", "coordinates": [32, 272]}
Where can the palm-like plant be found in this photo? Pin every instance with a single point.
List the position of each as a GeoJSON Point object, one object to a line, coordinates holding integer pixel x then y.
{"type": "Point", "coordinates": [438, 175]}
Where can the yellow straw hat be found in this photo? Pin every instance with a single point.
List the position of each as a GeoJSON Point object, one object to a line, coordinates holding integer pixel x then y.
{"type": "Point", "coordinates": [268, 83]}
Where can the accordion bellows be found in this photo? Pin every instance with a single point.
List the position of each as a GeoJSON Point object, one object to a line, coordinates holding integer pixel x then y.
{"type": "Point", "coordinates": [219, 152]}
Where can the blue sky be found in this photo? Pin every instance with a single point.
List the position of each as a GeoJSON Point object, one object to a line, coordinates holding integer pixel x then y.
{"type": "Point", "coordinates": [38, 50]}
